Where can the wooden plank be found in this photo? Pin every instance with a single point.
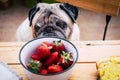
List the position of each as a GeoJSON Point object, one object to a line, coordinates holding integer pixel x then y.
{"type": "Point", "coordinates": [83, 72]}
{"type": "Point", "coordinates": [96, 43]}
{"type": "Point", "coordinates": [88, 43]}
{"type": "Point", "coordinates": [109, 7]}
{"type": "Point", "coordinates": [11, 44]}
{"type": "Point", "coordinates": [10, 55]}
{"type": "Point", "coordinates": [80, 71]}
{"type": "Point", "coordinates": [95, 53]}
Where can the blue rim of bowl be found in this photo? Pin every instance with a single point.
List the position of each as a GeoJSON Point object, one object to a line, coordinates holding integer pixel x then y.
{"type": "Point", "coordinates": [50, 73]}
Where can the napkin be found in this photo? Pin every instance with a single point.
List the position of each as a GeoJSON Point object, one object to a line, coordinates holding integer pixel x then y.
{"type": "Point", "coordinates": [6, 73]}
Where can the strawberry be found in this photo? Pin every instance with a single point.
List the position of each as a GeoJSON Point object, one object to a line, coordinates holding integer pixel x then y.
{"type": "Point", "coordinates": [34, 65]}
{"type": "Point", "coordinates": [54, 69]}
{"type": "Point", "coordinates": [43, 52]}
{"type": "Point", "coordinates": [58, 46]}
{"type": "Point", "coordinates": [46, 44]}
{"type": "Point", "coordinates": [65, 60]}
{"type": "Point", "coordinates": [53, 59]}
{"type": "Point", "coordinates": [27, 65]}
{"type": "Point", "coordinates": [35, 56]}
{"type": "Point", "coordinates": [44, 71]}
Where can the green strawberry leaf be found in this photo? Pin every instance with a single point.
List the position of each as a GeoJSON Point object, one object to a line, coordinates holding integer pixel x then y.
{"type": "Point", "coordinates": [57, 43]}
{"type": "Point", "coordinates": [33, 70]}
{"type": "Point", "coordinates": [34, 65]}
{"type": "Point", "coordinates": [67, 56]}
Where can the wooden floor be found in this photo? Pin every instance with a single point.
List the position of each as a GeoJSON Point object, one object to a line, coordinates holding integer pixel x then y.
{"type": "Point", "coordinates": [91, 24]}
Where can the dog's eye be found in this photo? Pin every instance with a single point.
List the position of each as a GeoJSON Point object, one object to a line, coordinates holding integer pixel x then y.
{"type": "Point", "coordinates": [37, 28]}
{"type": "Point", "coordinates": [61, 24]}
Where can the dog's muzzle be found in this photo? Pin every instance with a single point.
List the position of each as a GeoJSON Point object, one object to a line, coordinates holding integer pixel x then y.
{"type": "Point", "coordinates": [50, 31]}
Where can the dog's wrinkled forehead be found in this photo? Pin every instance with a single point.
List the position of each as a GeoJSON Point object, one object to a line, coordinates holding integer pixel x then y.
{"type": "Point", "coordinates": [57, 8]}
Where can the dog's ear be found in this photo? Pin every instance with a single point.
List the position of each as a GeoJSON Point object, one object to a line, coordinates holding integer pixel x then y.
{"type": "Point", "coordinates": [71, 10]}
{"type": "Point", "coordinates": [32, 13]}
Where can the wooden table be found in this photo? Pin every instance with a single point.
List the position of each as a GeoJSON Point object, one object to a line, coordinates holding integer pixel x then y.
{"type": "Point", "coordinates": [85, 68]}
{"type": "Point", "coordinates": [107, 7]}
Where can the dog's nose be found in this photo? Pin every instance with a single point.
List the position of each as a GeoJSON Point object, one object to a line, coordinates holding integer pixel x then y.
{"type": "Point", "coordinates": [49, 29]}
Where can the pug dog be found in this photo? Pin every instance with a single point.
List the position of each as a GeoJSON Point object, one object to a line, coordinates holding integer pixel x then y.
{"type": "Point", "coordinates": [50, 20]}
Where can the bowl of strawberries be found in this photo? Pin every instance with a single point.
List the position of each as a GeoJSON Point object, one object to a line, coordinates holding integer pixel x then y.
{"type": "Point", "coordinates": [48, 58]}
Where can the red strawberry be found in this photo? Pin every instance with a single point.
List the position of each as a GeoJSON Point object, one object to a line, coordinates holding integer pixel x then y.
{"type": "Point", "coordinates": [35, 56]}
{"type": "Point", "coordinates": [58, 46]}
{"type": "Point", "coordinates": [53, 59]}
{"type": "Point", "coordinates": [28, 65]}
{"type": "Point", "coordinates": [44, 71]}
{"type": "Point", "coordinates": [65, 60]}
{"type": "Point", "coordinates": [46, 44]}
{"type": "Point", "coordinates": [34, 65]}
{"type": "Point", "coordinates": [43, 52]}
{"type": "Point", "coordinates": [54, 69]}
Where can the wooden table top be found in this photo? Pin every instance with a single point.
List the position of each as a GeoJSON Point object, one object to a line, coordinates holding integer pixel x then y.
{"type": "Point", "coordinates": [85, 68]}
{"type": "Point", "coordinates": [108, 7]}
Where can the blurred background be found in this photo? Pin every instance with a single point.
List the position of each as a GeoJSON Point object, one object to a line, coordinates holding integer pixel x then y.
{"type": "Point", "coordinates": [91, 24]}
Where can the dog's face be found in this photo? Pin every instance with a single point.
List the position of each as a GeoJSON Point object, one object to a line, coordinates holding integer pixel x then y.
{"type": "Point", "coordinates": [53, 19]}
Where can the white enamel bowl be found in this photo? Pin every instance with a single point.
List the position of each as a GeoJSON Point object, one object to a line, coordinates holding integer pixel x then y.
{"type": "Point", "coordinates": [30, 47]}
